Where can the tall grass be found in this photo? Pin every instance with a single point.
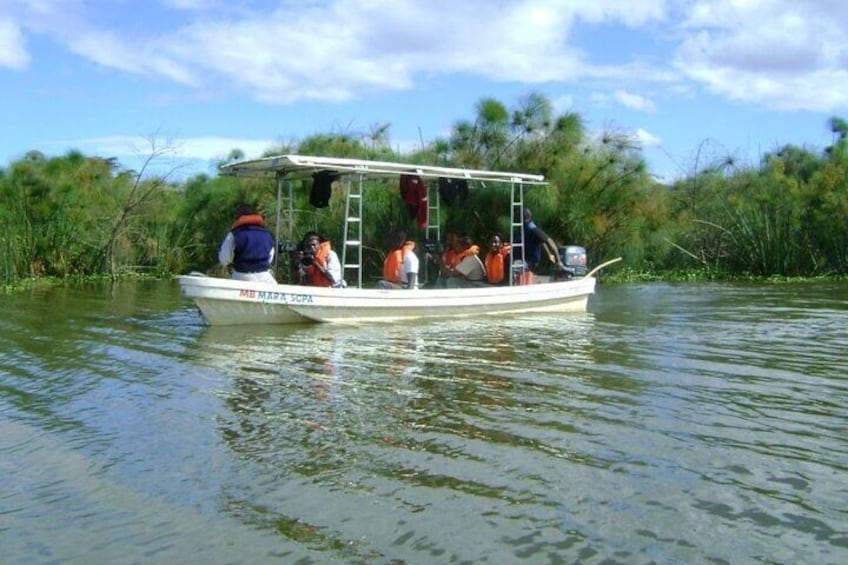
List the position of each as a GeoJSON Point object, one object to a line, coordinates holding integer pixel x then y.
{"type": "Point", "coordinates": [78, 215]}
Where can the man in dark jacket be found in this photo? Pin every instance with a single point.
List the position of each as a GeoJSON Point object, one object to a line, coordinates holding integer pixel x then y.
{"type": "Point", "coordinates": [248, 247]}
{"type": "Point", "coordinates": [535, 241]}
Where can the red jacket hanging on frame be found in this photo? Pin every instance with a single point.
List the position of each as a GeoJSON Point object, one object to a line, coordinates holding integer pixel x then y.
{"type": "Point", "coordinates": [414, 194]}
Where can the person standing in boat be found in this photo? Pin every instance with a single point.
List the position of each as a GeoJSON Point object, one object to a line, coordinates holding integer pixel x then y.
{"type": "Point", "coordinates": [400, 269]}
{"type": "Point", "coordinates": [319, 264]}
{"type": "Point", "coordinates": [535, 239]}
{"type": "Point", "coordinates": [497, 261]}
{"type": "Point", "coordinates": [248, 247]}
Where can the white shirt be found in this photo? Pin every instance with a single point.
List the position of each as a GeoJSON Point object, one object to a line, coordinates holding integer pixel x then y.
{"type": "Point", "coordinates": [410, 265]}
{"type": "Point", "coordinates": [334, 267]}
{"type": "Point", "coordinates": [226, 253]}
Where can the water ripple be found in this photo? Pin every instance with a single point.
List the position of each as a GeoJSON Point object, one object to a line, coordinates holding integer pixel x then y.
{"type": "Point", "coordinates": [672, 424]}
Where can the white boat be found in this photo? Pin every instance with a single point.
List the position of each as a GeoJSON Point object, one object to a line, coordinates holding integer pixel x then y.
{"type": "Point", "coordinates": [228, 301]}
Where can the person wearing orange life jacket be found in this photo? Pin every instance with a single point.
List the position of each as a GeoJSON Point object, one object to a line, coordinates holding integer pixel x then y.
{"type": "Point", "coordinates": [319, 264]}
{"type": "Point", "coordinates": [248, 247]}
{"type": "Point", "coordinates": [497, 261]}
{"type": "Point", "coordinates": [450, 257]}
{"type": "Point", "coordinates": [469, 271]}
{"type": "Point", "coordinates": [400, 269]}
{"type": "Point", "coordinates": [448, 260]}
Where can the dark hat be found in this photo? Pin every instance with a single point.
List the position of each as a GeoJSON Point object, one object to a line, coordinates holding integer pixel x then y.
{"type": "Point", "coordinates": [245, 210]}
{"type": "Point", "coordinates": [395, 239]}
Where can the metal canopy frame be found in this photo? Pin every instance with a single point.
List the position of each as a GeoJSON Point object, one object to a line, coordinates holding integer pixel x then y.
{"type": "Point", "coordinates": [289, 167]}
{"type": "Point", "coordinates": [293, 165]}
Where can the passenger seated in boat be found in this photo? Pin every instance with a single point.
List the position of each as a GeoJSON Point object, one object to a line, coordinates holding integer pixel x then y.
{"type": "Point", "coordinates": [469, 272]}
{"type": "Point", "coordinates": [447, 260]}
{"type": "Point", "coordinates": [400, 269]}
{"type": "Point", "coordinates": [498, 261]}
{"type": "Point", "coordinates": [319, 265]}
{"type": "Point", "coordinates": [248, 247]}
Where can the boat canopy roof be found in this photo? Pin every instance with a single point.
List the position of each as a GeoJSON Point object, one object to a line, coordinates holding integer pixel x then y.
{"type": "Point", "coordinates": [300, 165]}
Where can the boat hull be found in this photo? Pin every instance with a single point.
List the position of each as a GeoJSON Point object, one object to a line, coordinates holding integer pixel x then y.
{"type": "Point", "coordinates": [230, 302]}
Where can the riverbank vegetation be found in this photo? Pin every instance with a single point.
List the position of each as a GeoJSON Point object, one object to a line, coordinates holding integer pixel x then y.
{"type": "Point", "coordinates": [82, 215]}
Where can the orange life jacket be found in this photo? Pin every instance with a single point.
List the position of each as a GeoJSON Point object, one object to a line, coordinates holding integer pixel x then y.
{"type": "Point", "coordinates": [248, 220]}
{"type": "Point", "coordinates": [393, 264]}
{"type": "Point", "coordinates": [449, 258]}
{"type": "Point", "coordinates": [495, 265]}
{"type": "Point", "coordinates": [473, 250]}
{"type": "Point", "coordinates": [314, 277]}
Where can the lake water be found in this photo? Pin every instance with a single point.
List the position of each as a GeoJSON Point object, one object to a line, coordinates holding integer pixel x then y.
{"type": "Point", "coordinates": [692, 423]}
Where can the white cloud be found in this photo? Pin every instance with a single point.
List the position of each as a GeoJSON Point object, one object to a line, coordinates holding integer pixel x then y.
{"type": "Point", "coordinates": [633, 101]}
{"type": "Point", "coordinates": [624, 98]}
{"type": "Point", "coordinates": [13, 53]}
{"type": "Point", "coordinates": [174, 158]}
{"type": "Point", "coordinates": [341, 49]}
{"type": "Point", "coordinates": [647, 139]}
{"type": "Point", "coordinates": [618, 138]}
{"type": "Point", "coordinates": [782, 55]}
{"type": "Point", "coordinates": [599, 98]}
{"type": "Point", "coordinates": [215, 147]}
{"type": "Point", "coordinates": [111, 50]}
{"type": "Point", "coordinates": [632, 13]}
{"type": "Point", "coordinates": [563, 104]}
{"type": "Point", "coordinates": [195, 5]}
{"type": "Point", "coordinates": [204, 148]}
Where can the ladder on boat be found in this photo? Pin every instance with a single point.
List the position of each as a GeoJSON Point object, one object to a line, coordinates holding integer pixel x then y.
{"type": "Point", "coordinates": [286, 200]}
{"type": "Point", "coordinates": [352, 248]}
{"type": "Point", "coordinates": [519, 265]}
{"type": "Point", "coordinates": [433, 233]}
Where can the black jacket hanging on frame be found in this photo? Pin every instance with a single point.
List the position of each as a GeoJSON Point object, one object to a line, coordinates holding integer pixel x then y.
{"type": "Point", "coordinates": [322, 188]}
{"type": "Point", "coordinates": [453, 190]}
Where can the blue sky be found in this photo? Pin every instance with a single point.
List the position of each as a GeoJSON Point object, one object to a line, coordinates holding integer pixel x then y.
{"type": "Point", "coordinates": [690, 81]}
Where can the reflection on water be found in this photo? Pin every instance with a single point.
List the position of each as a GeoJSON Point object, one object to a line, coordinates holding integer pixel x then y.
{"type": "Point", "coordinates": [355, 423]}
{"type": "Point", "coordinates": [672, 423]}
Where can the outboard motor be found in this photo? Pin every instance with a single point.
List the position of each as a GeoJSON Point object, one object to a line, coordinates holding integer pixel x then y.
{"type": "Point", "coordinates": [575, 260]}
